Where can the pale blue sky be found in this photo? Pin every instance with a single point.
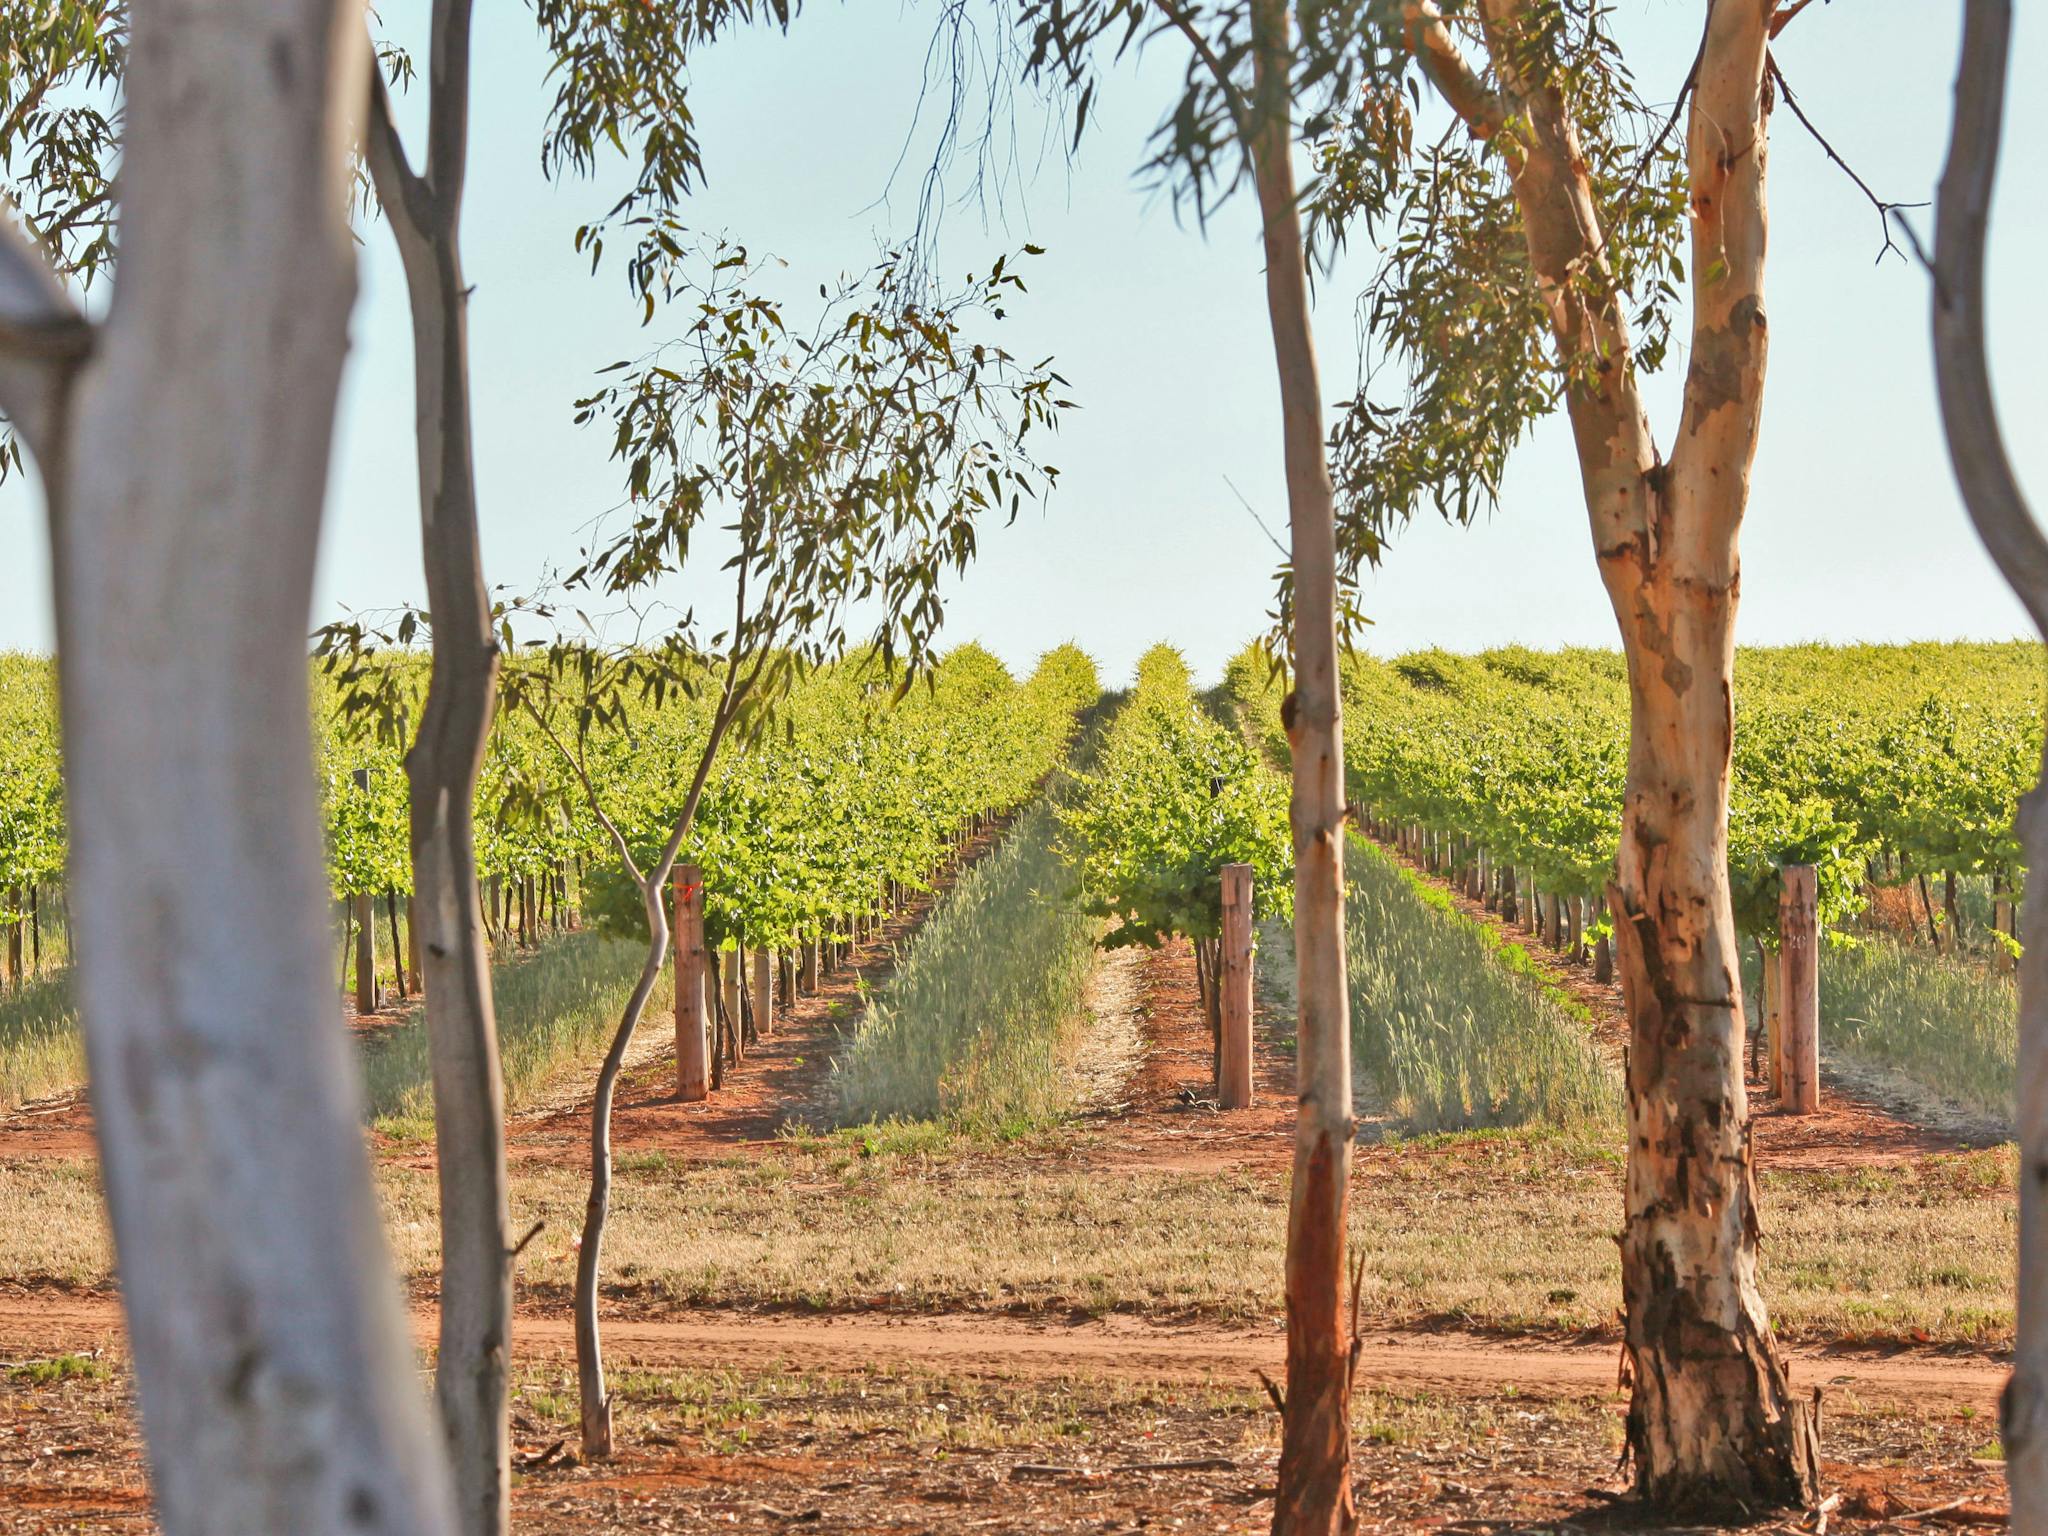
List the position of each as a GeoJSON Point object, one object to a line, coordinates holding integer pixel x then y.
{"type": "Point", "coordinates": [1854, 533]}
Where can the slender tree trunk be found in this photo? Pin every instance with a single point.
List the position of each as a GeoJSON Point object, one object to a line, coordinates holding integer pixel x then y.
{"type": "Point", "coordinates": [186, 467]}
{"type": "Point", "coordinates": [2015, 542]}
{"type": "Point", "coordinates": [764, 991]}
{"type": "Point", "coordinates": [412, 945]}
{"type": "Point", "coordinates": [594, 1400]}
{"type": "Point", "coordinates": [397, 940]}
{"type": "Point", "coordinates": [424, 212]}
{"type": "Point", "coordinates": [1314, 1492]}
{"type": "Point", "coordinates": [2001, 918]}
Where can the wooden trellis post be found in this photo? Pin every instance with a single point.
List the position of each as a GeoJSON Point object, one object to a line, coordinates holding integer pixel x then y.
{"type": "Point", "coordinates": [366, 931]}
{"type": "Point", "coordinates": [1799, 987]}
{"type": "Point", "coordinates": [1234, 1079]}
{"type": "Point", "coordinates": [693, 1076]}
{"type": "Point", "coordinates": [764, 992]}
{"type": "Point", "coordinates": [730, 970]}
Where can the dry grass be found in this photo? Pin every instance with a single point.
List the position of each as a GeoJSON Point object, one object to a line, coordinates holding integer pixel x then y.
{"type": "Point", "coordinates": [40, 1049]}
{"type": "Point", "coordinates": [1508, 1232]}
{"type": "Point", "coordinates": [913, 1451]}
{"type": "Point", "coordinates": [55, 1226]}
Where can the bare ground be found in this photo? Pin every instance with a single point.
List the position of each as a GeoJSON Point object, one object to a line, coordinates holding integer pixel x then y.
{"type": "Point", "coordinates": [969, 1421]}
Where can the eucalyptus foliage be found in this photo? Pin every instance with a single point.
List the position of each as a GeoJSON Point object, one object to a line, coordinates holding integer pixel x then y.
{"type": "Point", "coordinates": [61, 120]}
{"type": "Point", "coordinates": [1458, 323]}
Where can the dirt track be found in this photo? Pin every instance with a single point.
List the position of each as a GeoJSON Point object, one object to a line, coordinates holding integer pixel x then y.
{"type": "Point", "coordinates": [958, 1344]}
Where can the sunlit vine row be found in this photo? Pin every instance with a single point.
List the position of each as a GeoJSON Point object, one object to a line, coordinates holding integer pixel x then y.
{"type": "Point", "coordinates": [1912, 757]}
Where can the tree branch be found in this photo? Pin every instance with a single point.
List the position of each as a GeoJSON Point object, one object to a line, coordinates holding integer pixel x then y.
{"type": "Point", "coordinates": [1785, 14]}
{"type": "Point", "coordinates": [577, 767]}
{"type": "Point", "coordinates": [1433, 47]}
{"type": "Point", "coordinates": [407, 199]}
{"type": "Point", "coordinates": [1884, 209]}
{"type": "Point", "coordinates": [44, 336]}
{"type": "Point", "coordinates": [448, 102]}
{"type": "Point", "coordinates": [1969, 413]}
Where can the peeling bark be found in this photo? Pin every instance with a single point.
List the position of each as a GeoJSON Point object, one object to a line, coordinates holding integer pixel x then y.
{"type": "Point", "coordinates": [1713, 1421]}
{"type": "Point", "coordinates": [1314, 1493]}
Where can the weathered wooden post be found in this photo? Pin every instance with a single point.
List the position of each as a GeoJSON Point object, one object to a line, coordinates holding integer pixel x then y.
{"type": "Point", "coordinates": [412, 949]}
{"type": "Point", "coordinates": [693, 1076]}
{"type": "Point", "coordinates": [1771, 1005]}
{"type": "Point", "coordinates": [764, 992]}
{"type": "Point", "coordinates": [366, 931]}
{"type": "Point", "coordinates": [17, 907]}
{"type": "Point", "coordinates": [1234, 1078]}
{"type": "Point", "coordinates": [729, 971]}
{"type": "Point", "coordinates": [809, 978]}
{"type": "Point", "coordinates": [1799, 1002]}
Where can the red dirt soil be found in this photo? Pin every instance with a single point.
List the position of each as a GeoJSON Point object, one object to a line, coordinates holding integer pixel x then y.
{"type": "Point", "coordinates": [1170, 1121]}
{"type": "Point", "coordinates": [839, 1480]}
{"type": "Point", "coordinates": [1031, 1349]}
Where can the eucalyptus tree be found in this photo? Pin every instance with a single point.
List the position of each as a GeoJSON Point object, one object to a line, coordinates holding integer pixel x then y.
{"type": "Point", "coordinates": [60, 131]}
{"type": "Point", "coordinates": [620, 73]}
{"type": "Point", "coordinates": [2014, 538]}
{"type": "Point", "coordinates": [269, 1346]}
{"type": "Point", "coordinates": [1259, 74]}
{"type": "Point", "coordinates": [856, 463]}
{"type": "Point", "coordinates": [1532, 263]}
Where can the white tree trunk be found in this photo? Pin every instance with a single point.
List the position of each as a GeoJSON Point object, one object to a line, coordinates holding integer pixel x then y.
{"type": "Point", "coordinates": [187, 469]}
{"type": "Point", "coordinates": [1712, 1421]}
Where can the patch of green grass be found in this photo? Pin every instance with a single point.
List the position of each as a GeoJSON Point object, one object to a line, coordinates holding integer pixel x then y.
{"type": "Point", "coordinates": [1508, 954]}
{"type": "Point", "coordinates": [977, 1026]}
{"type": "Point", "coordinates": [1454, 1025]}
{"type": "Point", "coordinates": [555, 1005]}
{"type": "Point", "coordinates": [45, 1373]}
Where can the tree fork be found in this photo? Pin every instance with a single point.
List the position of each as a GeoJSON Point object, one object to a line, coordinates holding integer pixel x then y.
{"type": "Point", "coordinates": [424, 213]}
